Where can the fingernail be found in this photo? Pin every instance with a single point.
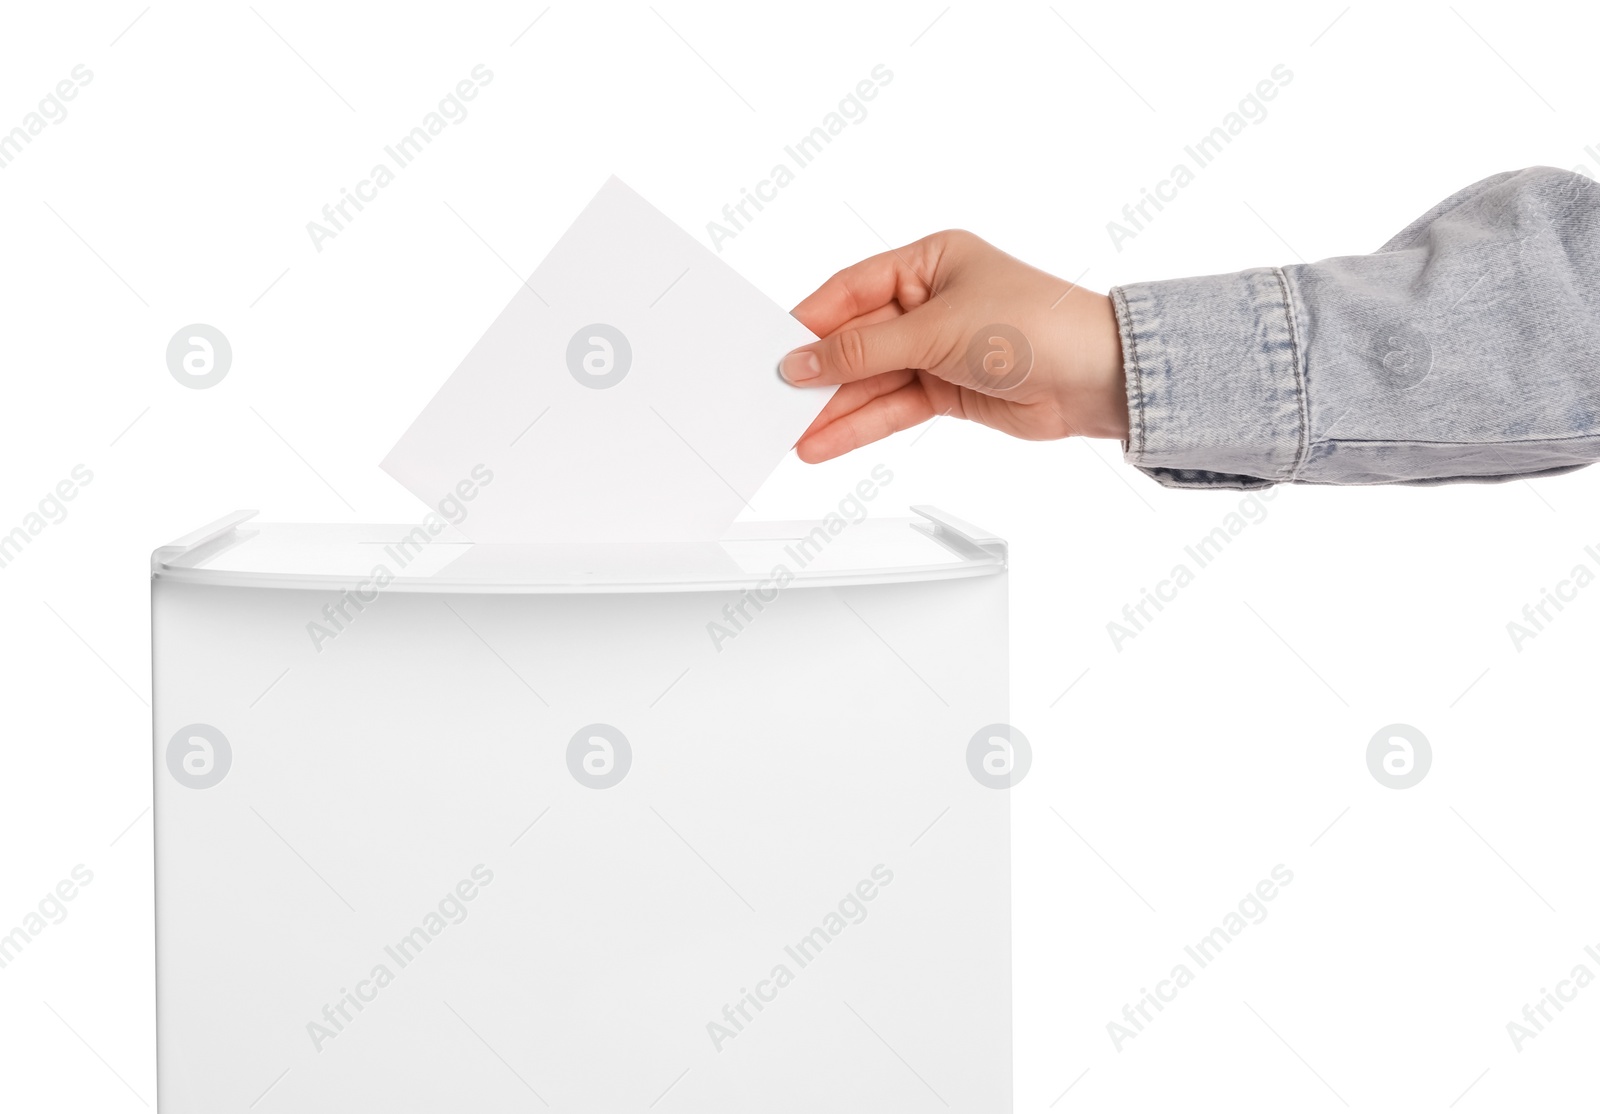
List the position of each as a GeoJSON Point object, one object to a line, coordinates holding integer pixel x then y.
{"type": "Point", "coordinates": [799, 366]}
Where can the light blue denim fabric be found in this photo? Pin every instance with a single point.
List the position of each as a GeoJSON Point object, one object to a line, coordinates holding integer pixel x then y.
{"type": "Point", "coordinates": [1466, 348]}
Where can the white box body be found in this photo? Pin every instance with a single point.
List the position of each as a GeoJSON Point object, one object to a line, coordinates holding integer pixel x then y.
{"type": "Point", "coordinates": [405, 860]}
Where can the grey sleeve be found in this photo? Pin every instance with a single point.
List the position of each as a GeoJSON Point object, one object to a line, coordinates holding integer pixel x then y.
{"type": "Point", "coordinates": [1466, 348]}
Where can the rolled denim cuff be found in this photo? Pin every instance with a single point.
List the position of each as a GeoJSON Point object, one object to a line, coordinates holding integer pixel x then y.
{"type": "Point", "coordinates": [1215, 380]}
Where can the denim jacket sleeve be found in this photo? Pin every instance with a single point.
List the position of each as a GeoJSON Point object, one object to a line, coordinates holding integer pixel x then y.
{"type": "Point", "coordinates": [1466, 348]}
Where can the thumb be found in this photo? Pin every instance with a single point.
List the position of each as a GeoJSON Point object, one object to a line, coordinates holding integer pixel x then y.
{"type": "Point", "coordinates": [860, 351]}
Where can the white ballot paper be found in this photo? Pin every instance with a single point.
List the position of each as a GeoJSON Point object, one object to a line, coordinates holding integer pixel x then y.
{"type": "Point", "coordinates": [629, 392]}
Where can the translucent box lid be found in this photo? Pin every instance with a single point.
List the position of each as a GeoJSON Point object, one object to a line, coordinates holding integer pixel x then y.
{"type": "Point", "coordinates": [236, 552]}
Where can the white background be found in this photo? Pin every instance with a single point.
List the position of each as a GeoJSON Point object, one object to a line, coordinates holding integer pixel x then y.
{"type": "Point", "coordinates": [1172, 776]}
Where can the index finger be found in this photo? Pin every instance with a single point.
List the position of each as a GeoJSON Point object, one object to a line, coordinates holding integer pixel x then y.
{"type": "Point", "coordinates": [870, 285]}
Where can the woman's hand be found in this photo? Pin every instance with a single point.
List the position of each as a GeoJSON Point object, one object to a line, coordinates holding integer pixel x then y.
{"type": "Point", "coordinates": [953, 325]}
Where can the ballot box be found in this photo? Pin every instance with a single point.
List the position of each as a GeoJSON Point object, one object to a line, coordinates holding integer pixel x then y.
{"type": "Point", "coordinates": [706, 826]}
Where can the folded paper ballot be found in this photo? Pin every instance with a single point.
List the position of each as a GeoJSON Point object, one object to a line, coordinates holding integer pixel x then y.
{"type": "Point", "coordinates": [628, 392]}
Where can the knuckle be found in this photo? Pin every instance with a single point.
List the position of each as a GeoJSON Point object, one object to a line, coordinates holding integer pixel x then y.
{"type": "Point", "coordinates": [851, 349]}
{"type": "Point", "coordinates": [940, 348]}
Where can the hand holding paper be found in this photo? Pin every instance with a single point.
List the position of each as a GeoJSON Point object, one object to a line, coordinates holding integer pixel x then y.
{"type": "Point", "coordinates": [952, 325]}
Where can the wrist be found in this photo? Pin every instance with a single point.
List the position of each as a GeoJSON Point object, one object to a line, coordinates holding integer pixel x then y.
{"type": "Point", "coordinates": [1093, 391]}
